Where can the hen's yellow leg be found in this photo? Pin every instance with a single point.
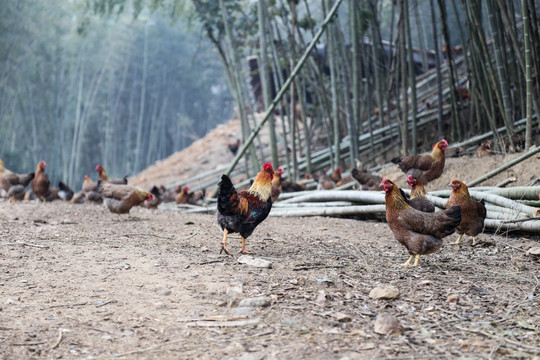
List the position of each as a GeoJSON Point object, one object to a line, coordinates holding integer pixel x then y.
{"type": "Point", "coordinates": [408, 263]}
{"type": "Point", "coordinates": [244, 251]}
{"type": "Point", "coordinates": [416, 259]}
{"type": "Point", "coordinates": [474, 240]}
{"type": "Point", "coordinates": [224, 243]}
{"type": "Point", "coordinates": [458, 241]}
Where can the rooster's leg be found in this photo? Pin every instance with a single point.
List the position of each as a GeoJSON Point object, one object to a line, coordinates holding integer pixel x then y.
{"type": "Point", "coordinates": [224, 243]}
{"type": "Point", "coordinates": [244, 251]}
{"type": "Point", "coordinates": [474, 240]}
{"type": "Point", "coordinates": [408, 263]}
{"type": "Point", "coordinates": [458, 241]}
{"type": "Point", "coordinates": [417, 258]}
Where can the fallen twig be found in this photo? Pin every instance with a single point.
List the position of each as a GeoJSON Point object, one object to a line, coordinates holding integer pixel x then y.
{"type": "Point", "coordinates": [59, 339]}
{"type": "Point", "coordinates": [26, 244]}
{"type": "Point", "coordinates": [141, 234]}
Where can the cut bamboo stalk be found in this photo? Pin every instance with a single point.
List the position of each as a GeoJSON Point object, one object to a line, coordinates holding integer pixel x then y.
{"type": "Point", "coordinates": [332, 211]}
{"type": "Point", "coordinates": [529, 226]}
{"type": "Point", "coordinates": [508, 165]}
{"type": "Point", "coordinates": [371, 197]}
{"type": "Point", "coordinates": [504, 202]}
{"type": "Point", "coordinates": [280, 205]}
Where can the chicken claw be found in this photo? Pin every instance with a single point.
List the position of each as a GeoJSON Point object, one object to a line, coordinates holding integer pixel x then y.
{"type": "Point", "coordinates": [408, 262]}
{"type": "Point", "coordinates": [458, 241]}
{"type": "Point", "coordinates": [224, 243]}
{"type": "Point", "coordinates": [244, 251]}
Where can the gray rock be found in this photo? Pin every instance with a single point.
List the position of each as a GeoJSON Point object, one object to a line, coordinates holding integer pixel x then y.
{"type": "Point", "coordinates": [256, 262]}
{"type": "Point", "coordinates": [384, 292]}
{"type": "Point", "coordinates": [261, 301]}
{"type": "Point", "coordinates": [387, 324]}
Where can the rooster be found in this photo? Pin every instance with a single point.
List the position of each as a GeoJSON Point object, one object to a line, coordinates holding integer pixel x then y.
{"type": "Point", "coordinates": [241, 212]}
{"type": "Point", "coordinates": [120, 198]}
{"type": "Point", "coordinates": [366, 180]}
{"type": "Point", "coordinates": [40, 183]}
{"type": "Point", "coordinates": [418, 198]}
{"type": "Point", "coordinates": [421, 233]}
{"type": "Point", "coordinates": [103, 176]}
{"type": "Point", "coordinates": [473, 211]}
{"type": "Point", "coordinates": [276, 184]}
{"type": "Point", "coordinates": [425, 168]}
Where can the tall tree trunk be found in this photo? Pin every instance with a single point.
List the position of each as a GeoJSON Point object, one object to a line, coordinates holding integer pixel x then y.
{"type": "Point", "coordinates": [138, 144]}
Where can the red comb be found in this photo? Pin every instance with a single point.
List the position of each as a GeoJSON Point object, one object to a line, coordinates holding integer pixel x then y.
{"type": "Point", "coordinates": [268, 165]}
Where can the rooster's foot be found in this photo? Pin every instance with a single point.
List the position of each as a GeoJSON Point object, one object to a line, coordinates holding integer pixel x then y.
{"type": "Point", "coordinates": [223, 248]}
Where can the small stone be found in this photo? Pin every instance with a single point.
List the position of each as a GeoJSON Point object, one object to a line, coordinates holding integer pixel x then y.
{"type": "Point", "coordinates": [387, 324]}
{"type": "Point", "coordinates": [453, 298]}
{"type": "Point", "coordinates": [261, 301]}
{"type": "Point", "coordinates": [160, 305]}
{"type": "Point", "coordinates": [535, 251]}
{"type": "Point", "coordinates": [256, 262]}
{"type": "Point", "coordinates": [234, 293]}
{"type": "Point", "coordinates": [9, 301]}
{"type": "Point", "coordinates": [342, 318]}
{"type": "Point", "coordinates": [384, 292]}
{"type": "Point", "coordinates": [242, 311]}
{"type": "Point", "coordinates": [165, 292]}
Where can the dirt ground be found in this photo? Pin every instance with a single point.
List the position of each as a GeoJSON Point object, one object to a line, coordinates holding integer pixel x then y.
{"type": "Point", "coordinates": [79, 282]}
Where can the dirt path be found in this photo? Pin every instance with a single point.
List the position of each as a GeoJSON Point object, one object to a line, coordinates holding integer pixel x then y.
{"type": "Point", "coordinates": [90, 285]}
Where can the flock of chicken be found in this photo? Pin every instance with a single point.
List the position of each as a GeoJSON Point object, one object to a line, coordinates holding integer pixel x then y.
{"type": "Point", "coordinates": [413, 219]}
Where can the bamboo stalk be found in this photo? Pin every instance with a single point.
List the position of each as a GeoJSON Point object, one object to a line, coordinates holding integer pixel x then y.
{"type": "Point", "coordinates": [333, 211]}
{"type": "Point", "coordinates": [530, 226]}
{"type": "Point", "coordinates": [372, 197]}
{"type": "Point", "coordinates": [504, 202]}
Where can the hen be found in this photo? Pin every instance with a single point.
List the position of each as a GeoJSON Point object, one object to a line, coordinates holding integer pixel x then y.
{"type": "Point", "coordinates": [120, 198]}
{"type": "Point", "coordinates": [473, 212]}
{"type": "Point", "coordinates": [336, 175]}
{"type": "Point", "coordinates": [89, 189]}
{"type": "Point", "coordinates": [426, 167]}
{"type": "Point", "coordinates": [154, 203]}
{"type": "Point", "coordinates": [418, 198]}
{"type": "Point", "coordinates": [484, 149]}
{"type": "Point", "coordinates": [233, 146]}
{"type": "Point", "coordinates": [40, 183]}
{"type": "Point", "coordinates": [276, 184]}
{"type": "Point", "coordinates": [366, 180]}
{"type": "Point", "coordinates": [421, 233]}
{"type": "Point", "coordinates": [8, 180]}
{"type": "Point", "coordinates": [241, 212]}
{"type": "Point", "coordinates": [64, 191]}
{"type": "Point", "coordinates": [324, 182]}
{"type": "Point", "coordinates": [183, 195]}
{"type": "Point", "coordinates": [103, 176]}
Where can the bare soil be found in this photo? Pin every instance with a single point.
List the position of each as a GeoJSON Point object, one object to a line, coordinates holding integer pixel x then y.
{"type": "Point", "coordinates": [79, 282]}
